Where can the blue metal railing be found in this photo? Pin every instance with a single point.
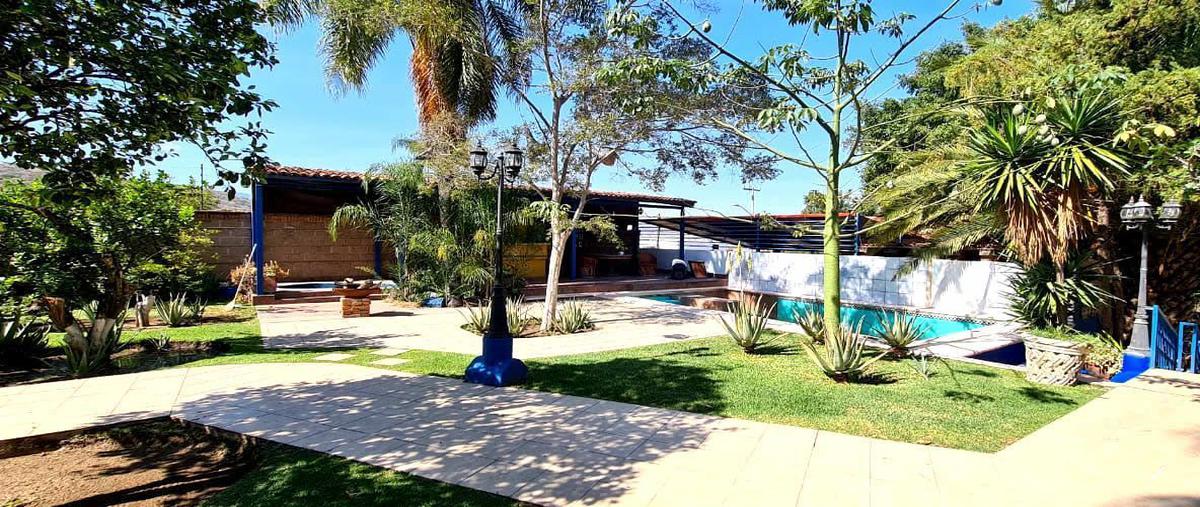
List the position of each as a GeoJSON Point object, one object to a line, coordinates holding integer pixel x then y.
{"type": "Point", "coordinates": [1173, 347]}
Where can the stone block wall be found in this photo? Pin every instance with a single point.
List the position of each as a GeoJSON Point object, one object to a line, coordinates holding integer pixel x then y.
{"type": "Point", "coordinates": [301, 244]}
{"type": "Point", "coordinates": [231, 238]}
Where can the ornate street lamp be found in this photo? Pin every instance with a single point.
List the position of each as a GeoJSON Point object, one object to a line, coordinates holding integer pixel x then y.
{"type": "Point", "coordinates": [1140, 215]}
{"type": "Point", "coordinates": [497, 366]}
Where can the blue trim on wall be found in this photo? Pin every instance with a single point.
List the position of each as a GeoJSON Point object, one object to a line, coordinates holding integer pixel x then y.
{"type": "Point", "coordinates": [257, 227]}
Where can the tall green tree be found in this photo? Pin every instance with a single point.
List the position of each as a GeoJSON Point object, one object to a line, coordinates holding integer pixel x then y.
{"type": "Point", "coordinates": [89, 91]}
{"type": "Point", "coordinates": [798, 93]}
{"type": "Point", "coordinates": [579, 126]}
{"type": "Point", "coordinates": [92, 89]}
{"type": "Point", "coordinates": [1143, 53]}
{"type": "Point", "coordinates": [98, 250]}
{"type": "Point", "coordinates": [461, 49]}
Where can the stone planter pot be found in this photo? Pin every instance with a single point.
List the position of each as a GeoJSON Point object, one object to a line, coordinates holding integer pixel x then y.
{"type": "Point", "coordinates": [1053, 362]}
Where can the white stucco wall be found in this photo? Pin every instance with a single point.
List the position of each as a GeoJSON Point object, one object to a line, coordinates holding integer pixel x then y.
{"type": "Point", "coordinates": [963, 288]}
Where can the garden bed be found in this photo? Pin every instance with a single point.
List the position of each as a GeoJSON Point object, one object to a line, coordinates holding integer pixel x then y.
{"type": "Point", "coordinates": [165, 462]}
{"type": "Point", "coordinates": [153, 463]}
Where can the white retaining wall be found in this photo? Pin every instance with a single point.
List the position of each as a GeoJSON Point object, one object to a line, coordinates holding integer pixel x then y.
{"type": "Point", "coordinates": [961, 288]}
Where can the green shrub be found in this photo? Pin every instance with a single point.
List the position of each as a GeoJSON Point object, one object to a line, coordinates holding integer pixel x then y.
{"type": "Point", "coordinates": [812, 321]}
{"type": "Point", "coordinates": [572, 317]}
{"type": "Point", "coordinates": [749, 326]}
{"type": "Point", "coordinates": [1038, 298]}
{"type": "Point", "coordinates": [22, 341]}
{"type": "Point", "coordinates": [899, 332]}
{"type": "Point", "coordinates": [843, 358]}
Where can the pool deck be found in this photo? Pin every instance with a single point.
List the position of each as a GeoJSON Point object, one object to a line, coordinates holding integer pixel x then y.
{"type": "Point", "coordinates": [621, 323]}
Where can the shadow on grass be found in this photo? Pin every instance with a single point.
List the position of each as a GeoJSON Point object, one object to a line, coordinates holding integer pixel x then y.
{"type": "Point", "coordinates": [968, 397]}
{"type": "Point", "coordinates": [659, 381]}
{"type": "Point", "coordinates": [1045, 396]}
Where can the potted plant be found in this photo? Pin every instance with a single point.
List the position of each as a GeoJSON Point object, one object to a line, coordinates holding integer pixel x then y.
{"type": "Point", "coordinates": [1055, 355]}
{"type": "Point", "coordinates": [272, 273]}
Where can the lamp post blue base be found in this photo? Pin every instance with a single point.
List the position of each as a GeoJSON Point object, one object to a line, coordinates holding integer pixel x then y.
{"type": "Point", "coordinates": [1132, 365]}
{"type": "Point", "coordinates": [497, 366]}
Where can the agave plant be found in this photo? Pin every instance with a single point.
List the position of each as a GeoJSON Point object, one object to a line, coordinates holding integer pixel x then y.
{"type": "Point", "coordinates": [176, 311]}
{"type": "Point", "coordinates": [843, 358]}
{"type": "Point", "coordinates": [749, 326]}
{"type": "Point", "coordinates": [20, 342]}
{"type": "Point", "coordinates": [900, 331]}
{"type": "Point", "coordinates": [479, 318]}
{"type": "Point", "coordinates": [89, 356]}
{"type": "Point", "coordinates": [573, 317]}
{"type": "Point", "coordinates": [518, 316]}
{"type": "Point", "coordinates": [812, 322]}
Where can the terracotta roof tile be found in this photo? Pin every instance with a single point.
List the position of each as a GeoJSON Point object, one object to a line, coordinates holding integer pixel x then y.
{"type": "Point", "coordinates": [304, 172]}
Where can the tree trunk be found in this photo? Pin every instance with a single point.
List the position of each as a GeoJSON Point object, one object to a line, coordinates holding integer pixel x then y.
{"type": "Point", "coordinates": [1060, 312]}
{"type": "Point", "coordinates": [558, 245]}
{"type": "Point", "coordinates": [832, 268]}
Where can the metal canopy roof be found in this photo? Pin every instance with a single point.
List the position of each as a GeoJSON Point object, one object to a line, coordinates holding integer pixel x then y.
{"type": "Point", "coordinates": [753, 234]}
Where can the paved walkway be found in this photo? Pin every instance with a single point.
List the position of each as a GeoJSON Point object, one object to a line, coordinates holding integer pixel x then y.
{"type": "Point", "coordinates": [621, 322]}
{"type": "Point", "coordinates": [1137, 445]}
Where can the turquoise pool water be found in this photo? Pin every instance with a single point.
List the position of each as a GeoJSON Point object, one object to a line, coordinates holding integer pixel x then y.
{"type": "Point", "coordinates": [874, 318]}
{"type": "Point", "coordinates": [871, 318]}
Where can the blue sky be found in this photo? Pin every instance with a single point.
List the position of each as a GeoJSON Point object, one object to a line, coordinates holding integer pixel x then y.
{"type": "Point", "coordinates": [317, 127]}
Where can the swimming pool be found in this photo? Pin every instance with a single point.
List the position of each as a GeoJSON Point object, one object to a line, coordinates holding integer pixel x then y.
{"type": "Point", "coordinates": [872, 318]}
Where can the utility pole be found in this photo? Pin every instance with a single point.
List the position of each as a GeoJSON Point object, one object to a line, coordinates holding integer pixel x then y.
{"type": "Point", "coordinates": [754, 213]}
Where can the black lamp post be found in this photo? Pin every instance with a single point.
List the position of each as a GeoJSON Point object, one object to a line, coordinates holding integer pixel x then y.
{"type": "Point", "coordinates": [1140, 215]}
{"type": "Point", "coordinates": [497, 367]}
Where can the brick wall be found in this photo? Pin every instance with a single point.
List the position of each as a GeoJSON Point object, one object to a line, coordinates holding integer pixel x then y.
{"type": "Point", "coordinates": [231, 238]}
{"type": "Point", "coordinates": [301, 244]}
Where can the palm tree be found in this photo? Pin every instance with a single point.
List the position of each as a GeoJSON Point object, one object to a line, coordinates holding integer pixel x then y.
{"type": "Point", "coordinates": [461, 48]}
{"type": "Point", "coordinates": [1031, 179]}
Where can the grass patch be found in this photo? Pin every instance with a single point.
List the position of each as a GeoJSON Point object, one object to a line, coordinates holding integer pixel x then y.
{"type": "Point", "coordinates": [289, 476]}
{"type": "Point", "coordinates": [974, 407]}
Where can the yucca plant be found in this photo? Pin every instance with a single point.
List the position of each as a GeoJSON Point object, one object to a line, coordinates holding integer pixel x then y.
{"type": "Point", "coordinates": [843, 358]}
{"type": "Point", "coordinates": [900, 331]}
{"type": "Point", "coordinates": [22, 341]}
{"type": "Point", "coordinates": [812, 321]}
{"type": "Point", "coordinates": [478, 318]}
{"type": "Point", "coordinates": [573, 317]}
{"type": "Point", "coordinates": [749, 326]}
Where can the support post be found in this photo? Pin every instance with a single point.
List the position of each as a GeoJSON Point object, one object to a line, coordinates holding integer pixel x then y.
{"type": "Point", "coordinates": [257, 226]}
{"type": "Point", "coordinates": [572, 255]}
{"type": "Point", "coordinates": [379, 259]}
{"type": "Point", "coordinates": [681, 228]}
{"type": "Point", "coordinates": [857, 233]}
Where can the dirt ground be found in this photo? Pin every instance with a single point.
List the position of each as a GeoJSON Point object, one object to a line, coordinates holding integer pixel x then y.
{"type": "Point", "coordinates": [161, 463]}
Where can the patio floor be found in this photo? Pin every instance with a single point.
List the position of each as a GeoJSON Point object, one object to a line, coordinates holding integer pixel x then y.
{"type": "Point", "coordinates": [621, 322]}
{"type": "Point", "coordinates": [1139, 444]}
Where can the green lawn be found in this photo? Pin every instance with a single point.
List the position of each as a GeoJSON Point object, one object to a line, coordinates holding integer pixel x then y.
{"type": "Point", "coordinates": [289, 476]}
{"type": "Point", "coordinates": [972, 407]}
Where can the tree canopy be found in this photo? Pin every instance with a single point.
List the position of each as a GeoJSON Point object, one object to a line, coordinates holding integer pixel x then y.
{"type": "Point", "coordinates": [90, 89]}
